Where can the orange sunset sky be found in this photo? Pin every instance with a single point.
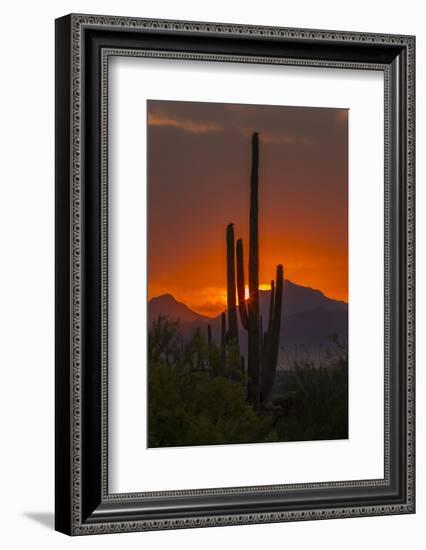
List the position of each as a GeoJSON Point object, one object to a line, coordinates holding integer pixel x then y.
{"type": "Point", "coordinates": [198, 181]}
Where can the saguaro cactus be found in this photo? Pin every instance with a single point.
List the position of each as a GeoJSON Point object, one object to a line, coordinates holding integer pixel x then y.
{"type": "Point", "coordinates": [262, 347]}
{"type": "Point", "coordinates": [253, 364]}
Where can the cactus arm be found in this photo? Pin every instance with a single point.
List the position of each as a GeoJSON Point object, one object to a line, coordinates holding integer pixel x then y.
{"type": "Point", "coordinates": [223, 340]}
{"type": "Point", "coordinates": [276, 327]}
{"type": "Point", "coordinates": [241, 287]}
{"type": "Point", "coordinates": [268, 332]}
{"type": "Point", "coordinates": [209, 345]}
{"type": "Point", "coordinates": [271, 305]}
{"type": "Point", "coordinates": [269, 366]}
{"type": "Point", "coordinates": [231, 290]}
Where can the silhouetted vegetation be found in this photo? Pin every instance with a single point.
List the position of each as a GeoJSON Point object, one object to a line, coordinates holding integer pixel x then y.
{"type": "Point", "coordinates": [192, 399]}
{"type": "Point", "coordinates": [196, 397]}
{"type": "Point", "coordinates": [312, 399]}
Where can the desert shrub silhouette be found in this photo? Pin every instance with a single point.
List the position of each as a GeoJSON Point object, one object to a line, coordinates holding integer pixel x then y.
{"type": "Point", "coordinates": [190, 400]}
{"type": "Point", "coordinates": [193, 401]}
{"type": "Point", "coordinates": [312, 402]}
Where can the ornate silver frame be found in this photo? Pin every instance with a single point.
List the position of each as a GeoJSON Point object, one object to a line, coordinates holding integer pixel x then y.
{"type": "Point", "coordinates": [83, 503]}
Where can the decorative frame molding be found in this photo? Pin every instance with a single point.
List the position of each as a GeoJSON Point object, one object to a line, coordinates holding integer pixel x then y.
{"type": "Point", "coordinates": [84, 44]}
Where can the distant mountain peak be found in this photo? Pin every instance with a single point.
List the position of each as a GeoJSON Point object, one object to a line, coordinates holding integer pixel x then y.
{"type": "Point", "coordinates": [297, 285]}
{"type": "Point", "coordinates": [166, 304]}
{"type": "Point", "coordinates": [317, 291]}
{"type": "Point", "coordinates": [164, 298]}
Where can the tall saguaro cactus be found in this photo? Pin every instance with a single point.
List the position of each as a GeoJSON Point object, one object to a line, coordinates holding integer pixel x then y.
{"type": "Point", "coordinates": [253, 364]}
{"type": "Point", "coordinates": [262, 347]}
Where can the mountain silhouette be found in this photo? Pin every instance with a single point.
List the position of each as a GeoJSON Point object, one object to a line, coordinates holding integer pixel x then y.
{"type": "Point", "coordinates": [309, 321]}
{"type": "Point", "coordinates": [167, 305]}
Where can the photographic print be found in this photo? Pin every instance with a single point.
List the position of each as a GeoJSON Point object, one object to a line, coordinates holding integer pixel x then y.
{"type": "Point", "coordinates": [211, 183]}
{"type": "Point", "coordinates": [247, 273]}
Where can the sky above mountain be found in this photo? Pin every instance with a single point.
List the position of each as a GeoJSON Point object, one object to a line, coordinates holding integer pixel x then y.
{"type": "Point", "coordinates": [198, 181]}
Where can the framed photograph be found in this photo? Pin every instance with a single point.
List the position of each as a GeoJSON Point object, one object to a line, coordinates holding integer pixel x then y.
{"type": "Point", "coordinates": [234, 274]}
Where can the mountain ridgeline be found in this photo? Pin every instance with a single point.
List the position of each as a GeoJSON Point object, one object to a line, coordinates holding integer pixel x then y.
{"type": "Point", "coordinates": [309, 320]}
